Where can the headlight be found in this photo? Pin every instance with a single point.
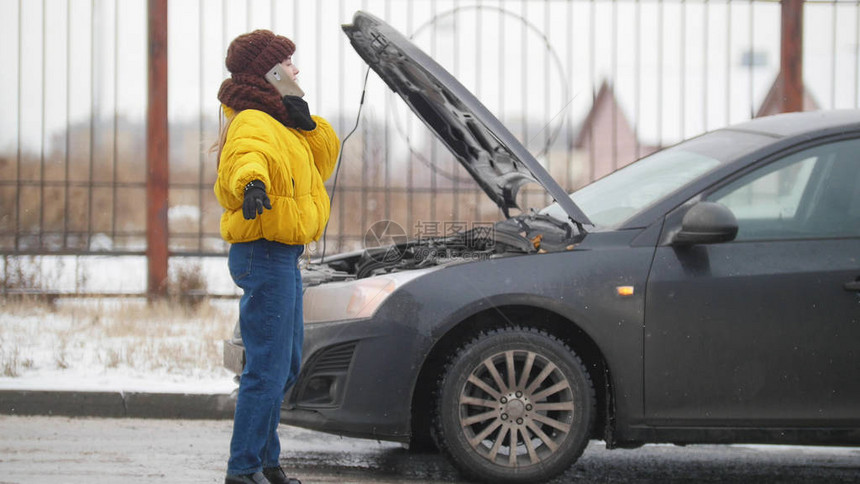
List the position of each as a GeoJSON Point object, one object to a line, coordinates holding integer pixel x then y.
{"type": "Point", "coordinates": [357, 299]}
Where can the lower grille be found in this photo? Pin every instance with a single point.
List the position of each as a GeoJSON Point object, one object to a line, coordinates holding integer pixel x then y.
{"type": "Point", "coordinates": [334, 359]}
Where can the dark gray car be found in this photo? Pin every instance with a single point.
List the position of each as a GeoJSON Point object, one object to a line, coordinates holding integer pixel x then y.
{"type": "Point", "coordinates": [709, 293]}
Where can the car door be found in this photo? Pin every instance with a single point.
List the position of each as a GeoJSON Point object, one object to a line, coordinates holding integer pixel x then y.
{"type": "Point", "coordinates": [763, 330]}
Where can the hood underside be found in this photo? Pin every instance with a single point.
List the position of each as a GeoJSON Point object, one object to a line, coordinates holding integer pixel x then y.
{"type": "Point", "coordinates": [487, 150]}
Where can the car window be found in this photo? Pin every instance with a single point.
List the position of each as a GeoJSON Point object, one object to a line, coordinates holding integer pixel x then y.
{"type": "Point", "coordinates": [617, 197]}
{"type": "Point", "coordinates": [813, 193]}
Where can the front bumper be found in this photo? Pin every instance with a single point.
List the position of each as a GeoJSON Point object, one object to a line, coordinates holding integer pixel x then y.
{"type": "Point", "coordinates": [357, 379]}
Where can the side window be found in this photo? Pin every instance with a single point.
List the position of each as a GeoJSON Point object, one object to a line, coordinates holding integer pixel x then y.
{"type": "Point", "coordinates": [810, 194]}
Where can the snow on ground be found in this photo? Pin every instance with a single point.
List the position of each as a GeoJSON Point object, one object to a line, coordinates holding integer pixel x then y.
{"type": "Point", "coordinates": [115, 345]}
{"type": "Point", "coordinates": [109, 274]}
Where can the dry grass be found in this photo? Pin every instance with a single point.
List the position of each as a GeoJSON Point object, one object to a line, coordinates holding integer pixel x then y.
{"type": "Point", "coordinates": [11, 361]}
{"type": "Point", "coordinates": [188, 285]}
{"type": "Point", "coordinates": [104, 336]}
{"type": "Point", "coordinates": [20, 272]}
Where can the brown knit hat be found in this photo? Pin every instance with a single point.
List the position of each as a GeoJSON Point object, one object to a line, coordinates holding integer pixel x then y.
{"type": "Point", "coordinates": [249, 57]}
{"type": "Point", "coordinates": [258, 51]}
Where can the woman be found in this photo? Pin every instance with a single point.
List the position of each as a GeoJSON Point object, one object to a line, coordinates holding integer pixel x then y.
{"type": "Point", "coordinates": [273, 159]}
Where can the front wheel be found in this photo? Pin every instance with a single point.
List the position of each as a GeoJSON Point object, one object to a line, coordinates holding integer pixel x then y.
{"type": "Point", "coordinates": [515, 405]}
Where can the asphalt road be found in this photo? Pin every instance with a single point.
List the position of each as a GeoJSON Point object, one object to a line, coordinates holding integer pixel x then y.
{"type": "Point", "coordinates": [60, 449]}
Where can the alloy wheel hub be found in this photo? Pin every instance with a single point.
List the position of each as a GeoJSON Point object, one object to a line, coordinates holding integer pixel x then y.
{"type": "Point", "coordinates": [514, 409]}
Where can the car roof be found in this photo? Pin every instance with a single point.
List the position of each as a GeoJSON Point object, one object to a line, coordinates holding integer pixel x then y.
{"type": "Point", "coordinates": [796, 124]}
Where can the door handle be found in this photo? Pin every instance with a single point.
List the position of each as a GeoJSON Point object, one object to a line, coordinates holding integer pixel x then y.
{"type": "Point", "coordinates": [852, 286]}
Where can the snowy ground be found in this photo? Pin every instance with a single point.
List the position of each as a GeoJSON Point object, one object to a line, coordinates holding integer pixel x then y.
{"type": "Point", "coordinates": [109, 274]}
{"type": "Point", "coordinates": [115, 345]}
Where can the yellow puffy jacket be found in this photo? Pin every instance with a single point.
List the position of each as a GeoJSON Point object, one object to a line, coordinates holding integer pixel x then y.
{"type": "Point", "coordinates": [292, 163]}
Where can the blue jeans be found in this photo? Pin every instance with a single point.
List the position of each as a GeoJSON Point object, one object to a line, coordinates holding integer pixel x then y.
{"type": "Point", "coordinates": [270, 318]}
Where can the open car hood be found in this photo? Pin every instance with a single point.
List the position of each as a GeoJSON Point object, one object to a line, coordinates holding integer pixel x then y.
{"type": "Point", "coordinates": [486, 149]}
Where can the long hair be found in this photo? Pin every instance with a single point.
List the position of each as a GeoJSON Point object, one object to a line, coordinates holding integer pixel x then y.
{"type": "Point", "coordinates": [224, 123]}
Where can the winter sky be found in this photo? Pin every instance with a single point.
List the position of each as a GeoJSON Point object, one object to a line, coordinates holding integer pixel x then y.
{"type": "Point", "coordinates": [679, 67]}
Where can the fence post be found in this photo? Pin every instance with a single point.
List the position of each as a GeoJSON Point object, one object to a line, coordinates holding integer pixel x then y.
{"type": "Point", "coordinates": [156, 151]}
{"type": "Point", "coordinates": [791, 56]}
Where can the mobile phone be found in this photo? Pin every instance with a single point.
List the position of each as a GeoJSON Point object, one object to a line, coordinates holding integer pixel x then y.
{"type": "Point", "coordinates": [283, 82]}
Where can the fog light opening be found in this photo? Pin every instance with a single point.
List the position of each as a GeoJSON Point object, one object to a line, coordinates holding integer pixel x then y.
{"type": "Point", "coordinates": [319, 390]}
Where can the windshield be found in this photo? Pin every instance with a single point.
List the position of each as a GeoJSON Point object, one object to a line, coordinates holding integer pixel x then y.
{"type": "Point", "coordinates": [618, 196]}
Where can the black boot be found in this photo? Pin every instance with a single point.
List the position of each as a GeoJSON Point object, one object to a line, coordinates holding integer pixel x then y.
{"type": "Point", "coordinates": [276, 475]}
{"type": "Point", "coordinates": [255, 478]}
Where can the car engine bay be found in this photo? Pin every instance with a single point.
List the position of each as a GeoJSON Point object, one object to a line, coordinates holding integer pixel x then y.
{"type": "Point", "coordinates": [528, 233]}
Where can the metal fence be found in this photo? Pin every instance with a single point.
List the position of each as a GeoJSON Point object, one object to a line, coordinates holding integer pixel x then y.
{"type": "Point", "coordinates": [587, 85]}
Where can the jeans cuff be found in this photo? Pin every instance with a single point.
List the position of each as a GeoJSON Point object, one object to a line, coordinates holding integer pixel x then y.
{"type": "Point", "coordinates": [243, 472]}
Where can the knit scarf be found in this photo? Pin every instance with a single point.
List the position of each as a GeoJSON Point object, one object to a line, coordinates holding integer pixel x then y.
{"type": "Point", "coordinates": [249, 91]}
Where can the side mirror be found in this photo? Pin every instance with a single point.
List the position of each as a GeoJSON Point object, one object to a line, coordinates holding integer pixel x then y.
{"type": "Point", "coordinates": [707, 223]}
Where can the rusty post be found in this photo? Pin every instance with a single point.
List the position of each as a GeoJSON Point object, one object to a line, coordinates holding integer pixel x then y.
{"type": "Point", "coordinates": [156, 151]}
{"type": "Point", "coordinates": [791, 56]}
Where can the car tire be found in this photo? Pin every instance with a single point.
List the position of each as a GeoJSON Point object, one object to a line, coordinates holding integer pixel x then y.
{"type": "Point", "coordinates": [521, 382]}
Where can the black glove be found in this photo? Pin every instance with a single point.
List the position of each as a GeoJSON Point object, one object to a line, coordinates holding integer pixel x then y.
{"type": "Point", "coordinates": [298, 110]}
{"type": "Point", "coordinates": [255, 200]}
